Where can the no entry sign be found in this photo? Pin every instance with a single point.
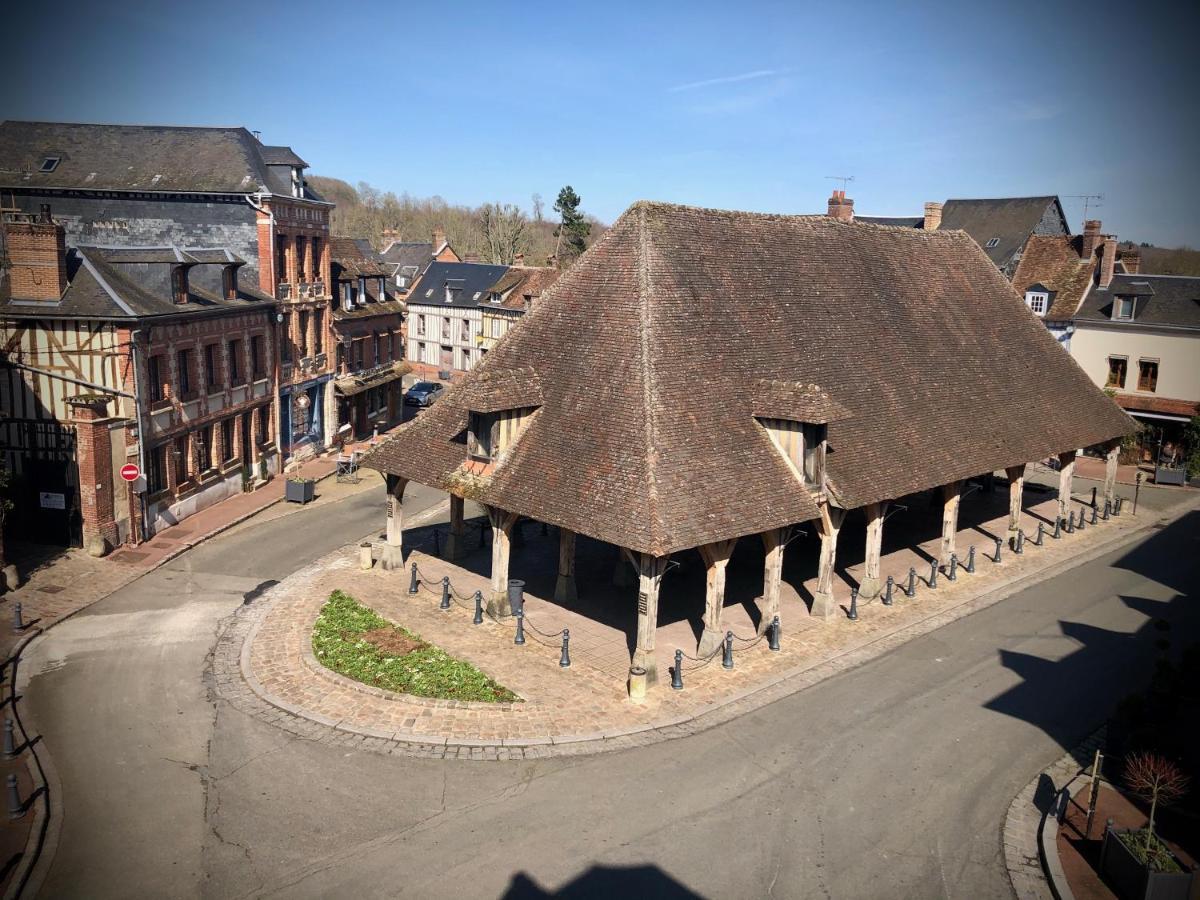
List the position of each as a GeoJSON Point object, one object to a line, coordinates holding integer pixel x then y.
{"type": "Point", "coordinates": [130, 472]}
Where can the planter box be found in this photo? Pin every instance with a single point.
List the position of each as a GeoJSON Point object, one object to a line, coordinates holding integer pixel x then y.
{"type": "Point", "coordinates": [1131, 880]}
{"type": "Point", "coordinates": [300, 491]}
{"type": "Point", "coordinates": [1170, 475]}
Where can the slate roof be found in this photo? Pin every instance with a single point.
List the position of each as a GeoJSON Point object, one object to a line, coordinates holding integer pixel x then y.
{"type": "Point", "coordinates": [1053, 262]}
{"type": "Point", "coordinates": [1010, 219]}
{"type": "Point", "coordinates": [352, 260]}
{"type": "Point", "coordinates": [400, 253]}
{"type": "Point", "coordinates": [1169, 300]}
{"type": "Point", "coordinates": [118, 283]}
{"type": "Point", "coordinates": [160, 158]}
{"type": "Point", "coordinates": [894, 221]}
{"type": "Point", "coordinates": [646, 436]}
{"type": "Point", "coordinates": [470, 283]}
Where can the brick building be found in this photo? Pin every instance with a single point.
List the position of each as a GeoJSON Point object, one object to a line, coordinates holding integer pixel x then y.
{"type": "Point", "coordinates": [162, 357]}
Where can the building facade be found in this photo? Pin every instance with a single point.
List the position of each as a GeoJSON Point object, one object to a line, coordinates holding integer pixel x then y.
{"type": "Point", "coordinates": [445, 320]}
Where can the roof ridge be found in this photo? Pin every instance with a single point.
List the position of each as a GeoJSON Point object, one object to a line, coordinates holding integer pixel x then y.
{"type": "Point", "coordinates": [645, 288]}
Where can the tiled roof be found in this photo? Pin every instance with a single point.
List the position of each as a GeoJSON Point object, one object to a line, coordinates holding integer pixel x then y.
{"type": "Point", "coordinates": [352, 261]}
{"type": "Point", "coordinates": [500, 389]}
{"type": "Point", "coordinates": [1169, 300]}
{"type": "Point", "coordinates": [1053, 262]}
{"type": "Point", "coordinates": [797, 402]}
{"type": "Point", "coordinates": [646, 436]}
{"type": "Point", "coordinates": [1007, 220]}
{"type": "Point", "coordinates": [1136, 403]}
{"type": "Point", "coordinates": [519, 282]}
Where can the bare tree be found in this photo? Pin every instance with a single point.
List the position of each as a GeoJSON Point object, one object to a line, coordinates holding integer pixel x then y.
{"type": "Point", "coordinates": [1156, 779]}
{"type": "Point", "coordinates": [502, 228]}
{"type": "Point", "coordinates": [539, 209]}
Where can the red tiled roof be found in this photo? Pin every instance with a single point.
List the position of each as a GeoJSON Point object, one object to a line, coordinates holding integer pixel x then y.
{"type": "Point", "coordinates": [1163, 405]}
{"type": "Point", "coordinates": [1053, 260]}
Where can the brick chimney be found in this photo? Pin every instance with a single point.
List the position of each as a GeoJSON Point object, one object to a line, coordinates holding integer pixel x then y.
{"type": "Point", "coordinates": [933, 215]}
{"type": "Point", "coordinates": [1091, 238]}
{"type": "Point", "coordinates": [439, 238]}
{"type": "Point", "coordinates": [1108, 261]}
{"type": "Point", "coordinates": [471, 257]}
{"type": "Point", "coordinates": [840, 208]}
{"type": "Point", "coordinates": [519, 259]}
{"type": "Point", "coordinates": [1131, 259]}
{"type": "Point", "coordinates": [37, 251]}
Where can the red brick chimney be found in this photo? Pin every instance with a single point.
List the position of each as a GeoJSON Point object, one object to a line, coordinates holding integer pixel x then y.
{"type": "Point", "coordinates": [519, 259]}
{"type": "Point", "coordinates": [1108, 261]}
{"type": "Point", "coordinates": [1131, 259]}
{"type": "Point", "coordinates": [840, 208]}
{"type": "Point", "coordinates": [37, 251]}
{"type": "Point", "coordinates": [1091, 239]}
{"type": "Point", "coordinates": [439, 238]}
{"type": "Point", "coordinates": [933, 215]}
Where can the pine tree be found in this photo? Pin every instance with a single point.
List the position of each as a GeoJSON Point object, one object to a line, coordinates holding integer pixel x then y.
{"type": "Point", "coordinates": [573, 229]}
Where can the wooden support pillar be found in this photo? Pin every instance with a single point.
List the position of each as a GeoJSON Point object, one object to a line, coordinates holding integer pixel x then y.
{"type": "Point", "coordinates": [1110, 471]}
{"type": "Point", "coordinates": [773, 542]}
{"type": "Point", "coordinates": [830, 523]}
{"type": "Point", "coordinates": [871, 585]}
{"type": "Point", "coordinates": [1066, 475]}
{"type": "Point", "coordinates": [455, 543]}
{"type": "Point", "coordinates": [1016, 491]}
{"type": "Point", "coordinates": [951, 499]}
{"type": "Point", "coordinates": [716, 558]}
{"type": "Point", "coordinates": [502, 526]}
{"type": "Point", "coordinates": [650, 571]}
{"type": "Point", "coordinates": [393, 550]}
{"type": "Point", "coordinates": [564, 589]}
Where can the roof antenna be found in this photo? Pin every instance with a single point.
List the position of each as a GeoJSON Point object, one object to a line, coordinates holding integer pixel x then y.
{"type": "Point", "coordinates": [1087, 201]}
{"type": "Point", "coordinates": [842, 178]}
{"type": "Point", "coordinates": [257, 136]}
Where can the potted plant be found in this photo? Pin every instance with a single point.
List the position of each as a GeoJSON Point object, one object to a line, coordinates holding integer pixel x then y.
{"type": "Point", "coordinates": [300, 490]}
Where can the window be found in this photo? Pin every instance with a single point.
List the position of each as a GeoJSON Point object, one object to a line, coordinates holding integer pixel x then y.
{"type": "Point", "coordinates": [184, 362]}
{"type": "Point", "coordinates": [1147, 375]}
{"type": "Point", "coordinates": [180, 454]}
{"type": "Point", "coordinates": [1037, 301]}
{"type": "Point", "coordinates": [235, 362]}
{"type": "Point", "coordinates": [420, 320]}
{"type": "Point", "coordinates": [445, 329]}
{"type": "Point", "coordinates": [992, 242]}
{"type": "Point", "coordinates": [156, 381]}
{"type": "Point", "coordinates": [347, 296]}
{"type": "Point", "coordinates": [227, 438]}
{"type": "Point", "coordinates": [1123, 308]}
{"type": "Point", "coordinates": [302, 335]}
{"type": "Point", "coordinates": [179, 284]}
{"type": "Point", "coordinates": [814, 437]}
{"type": "Point", "coordinates": [256, 356]}
{"type": "Point", "coordinates": [397, 346]}
{"type": "Point", "coordinates": [359, 351]}
{"type": "Point", "coordinates": [496, 332]}
{"type": "Point", "coordinates": [264, 424]}
{"type": "Point", "coordinates": [286, 346]}
{"type": "Point", "coordinates": [318, 330]}
{"type": "Point", "coordinates": [229, 282]}
{"type": "Point", "coordinates": [156, 478]}
{"type": "Point", "coordinates": [466, 330]}
{"type": "Point", "coordinates": [378, 357]}
{"type": "Point", "coordinates": [210, 367]}
{"type": "Point", "coordinates": [1117, 366]}
{"type": "Point", "coordinates": [204, 449]}
{"type": "Point", "coordinates": [483, 435]}
{"type": "Point", "coordinates": [50, 163]}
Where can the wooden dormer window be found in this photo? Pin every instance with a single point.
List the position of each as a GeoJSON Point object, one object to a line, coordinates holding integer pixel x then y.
{"type": "Point", "coordinates": [803, 445]}
{"type": "Point", "coordinates": [179, 284]}
{"type": "Point", "coordinates": [229, 284]}
{"type": "Point", "coordinates": [491, 435]}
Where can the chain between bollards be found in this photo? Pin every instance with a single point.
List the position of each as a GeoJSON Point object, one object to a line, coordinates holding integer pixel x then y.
{"type": "Point", "coordinates": [727, 659]}
{"type": "Point", "coordinates": [887, 591]}
{"type": "Point", "coordinates": [677, 672]}
{"type": "Point", "coordinates": [773, 641]}
{"type": "Point", "coordinates": [565, 659]}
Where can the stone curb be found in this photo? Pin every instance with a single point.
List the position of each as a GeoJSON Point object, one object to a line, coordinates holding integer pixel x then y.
{"type": "Point", "coordinates": [755, 697]}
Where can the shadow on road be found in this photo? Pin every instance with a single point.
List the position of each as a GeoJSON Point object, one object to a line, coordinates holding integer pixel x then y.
{"type": "Point", "coordinates": [605, 881]}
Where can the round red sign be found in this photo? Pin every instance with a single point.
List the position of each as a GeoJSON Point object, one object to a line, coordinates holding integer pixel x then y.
{"type": "Point", "coordinates": [130, 472]}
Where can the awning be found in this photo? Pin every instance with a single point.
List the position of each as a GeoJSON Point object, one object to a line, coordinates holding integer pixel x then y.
{"type": "Point", "coordinates": [363, 381]}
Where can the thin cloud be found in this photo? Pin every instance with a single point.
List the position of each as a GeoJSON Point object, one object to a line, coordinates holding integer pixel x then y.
{"type": "Point", "coordinates": [727, 79]}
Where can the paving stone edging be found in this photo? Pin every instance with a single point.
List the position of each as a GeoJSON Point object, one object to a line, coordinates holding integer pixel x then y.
{"type": "Point", "coordinates": [235, 680]}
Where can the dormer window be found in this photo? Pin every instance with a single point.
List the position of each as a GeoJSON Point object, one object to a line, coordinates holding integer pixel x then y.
{"type": "Point", "coordinates": [1123, 308]}
{"type": "Point", "coordinates": [803, 445]}
{"type": "Point", "coordinates": [347, 297]}
{"type": "Point", "coordinates": [796, 417]}
{"type": "Point", "coordinates": [992, 242]}
{"type": "Point", "coordinates": [362, 292]}
{"type": "Point", "coordinates": [1038, 301]}
{"type": "Point", "coordinates": [229, 285]}
{"type": "Point", "coordinates": [179, 284]}
{"type": "Point", "coordinates": [49, 164]}
{"type": "Point", "coordinates": [490, 435]}
{"type": "Point", "coordinates": [297, 181]}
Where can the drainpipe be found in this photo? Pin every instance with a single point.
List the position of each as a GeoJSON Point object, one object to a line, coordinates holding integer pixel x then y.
{"type": "Point", "coordinates": [137, 407]}
{"type": "Point", "coordinates": [255, 202]}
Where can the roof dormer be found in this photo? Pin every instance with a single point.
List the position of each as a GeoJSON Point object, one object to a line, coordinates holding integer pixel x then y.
{"type": "Point", "coordinates": [796, 417]}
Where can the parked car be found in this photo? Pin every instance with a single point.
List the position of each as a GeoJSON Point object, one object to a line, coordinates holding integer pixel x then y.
{"type": "Point", "coordinates": [423, 393]}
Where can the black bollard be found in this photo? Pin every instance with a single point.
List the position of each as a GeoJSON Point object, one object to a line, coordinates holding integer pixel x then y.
{"type": "Point", "coordinates": [677, 672]}
{"type": "Point", "coordinates": [1081, 521]}
{"type": "Point", "coordinates": [437, 542]}
{"type": "Point", "coordinates": [412, 583]}
{"type": "Point", "coordinates": [478, 620]}
{"type": "Point", "coordinates": [971, 560]}
{"type": "Point", "coordinates": [520, 638]}
{"type": "Point", "coordinates": [887, 591]}
{"type": "Point", "coordinates": [1093, 497]}
{"type": "Point", "coordinates": [1041, 535]}
{"type": "Point", "coordinates": [1057, 528]}
{"type": "Point", "coordinates": [727, 659]}
{"type": "Point", "coordinates": [18, 622]}
{"type": "Point", "coordinates": [952, 575]}
{"type": "Point", "coordinates": [10, 745]}
{"type": "Point", "coordinates": [445, 604]}
{"type": "Point", "coordinates": [999, 544]}
{"type": "Point", "coordinates": [16, 808]}
{"type": "Point", "coordinates": [852, 615]}
{"type": "Point", "coordinates": [1019, 542]}
{"type": "Point", "coordinates": [933, 570]}
{"type": "Point", "coordinates": [1071, 522]}
{"type": "Point", "coordinates": [565, 659]}
{"type": "Point", "coordinates": [912, 583]}
{"type": "Point", "coordinates": [1117, 506]}
{"type": "Point", "coordinates": [773, 639]}
{"type": "Point", "coordinates": [1107, 509]}
{"type": "Point", "coordinates": [1093, 519]}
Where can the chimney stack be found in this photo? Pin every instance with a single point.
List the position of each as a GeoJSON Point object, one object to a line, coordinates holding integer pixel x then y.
{"type": "Point", "coordinates": [933, 215]}
{"type": "Point", "coordinates": [840, 208]}
{"type": "Point", "coordinates": [439, 238]}
{"type": "Point", "coordinates": [1091, 239]}
{"type": "Point", "coordinates": [1108, 261]}
{"type": "Point", "coordinates": [1131, 259]}
{"type": "Point", "coordinates": [37, 252]}
{"type": "Point", "coordinates": [471, 257]}
{"type": "Point", "coordinates": [519, 259]}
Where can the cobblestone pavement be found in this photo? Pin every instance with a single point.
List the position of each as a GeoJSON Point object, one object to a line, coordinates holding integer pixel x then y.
{"type": "Point", "coordinates": [264, 661]}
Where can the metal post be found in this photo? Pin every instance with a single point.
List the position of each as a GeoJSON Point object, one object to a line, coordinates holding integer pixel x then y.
{"type": "Point", "coordinates": [773, 640]}
{"type": "Point", "coordinates": [1117, 506]}
{"type": "Point", "coordinates": [1107, 509]}
{"type": "Point", "coordinates": [971, 560]}
{"type": "Point", "coordinates": [1137, 489]}
{"type": "Point", "coordinates": [852, 615]}
{"type": "Point", "coordinates": [677, 672]}
{"type": "Point", "coordinates": [1057, 528]}
{"type": "Point", "coordinates": [727, 660]}
{"type": "Point", "coordinates": [912, 583]}
{"type": "Point", "coordinates": [412, 583]}
{"type": "Point", "coordinates": [1093, 496]}
{"type": "Point", "coordinates": [16, 808]}
{"type": "Point", "coordinates": [1019, 542]}
{"type": "Point", "coordinates": [520, 638]}
{"type": "Point", "coordinates": [478, 620]}
{"type": "Point", "coordinates": [565, 659]}
{"type": "Point", "coordinates": [952, 575]}
{"type": "Point", "coordinates": [1071, 523]}
{"type": "Point", "coordinates": [1092, 521]}
{"type": "Point", "coordinates": [445, 604]}
{"type": "Point", "coordinates": [933, 570]}
{"type": "Point", "coordinates": [1041, 535]}
{"type": "Point", "coordinates": [996, 556]}
{"type": "Point", "coordinates": [18, 623]}
{"type": "Point", "coordinates": [887, 591]}
{"type": "Point", "coordinates": [10, 746]}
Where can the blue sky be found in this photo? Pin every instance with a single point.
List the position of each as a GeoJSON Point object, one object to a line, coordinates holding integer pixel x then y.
{"type": "Point", "coordinates": [740, 105]}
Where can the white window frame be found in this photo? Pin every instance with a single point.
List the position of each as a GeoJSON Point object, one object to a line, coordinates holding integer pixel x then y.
{"type": "Point", "coordinates": [1034, 299]}
{"type": "Point", "coordinates": [1132, 301]}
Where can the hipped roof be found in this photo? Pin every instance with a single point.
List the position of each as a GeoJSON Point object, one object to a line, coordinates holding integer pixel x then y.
{"type": "Point", "coordinates": [649, 353]}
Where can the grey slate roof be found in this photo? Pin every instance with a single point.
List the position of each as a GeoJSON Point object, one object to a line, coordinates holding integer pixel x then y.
{"type": "Point", "coordinates": [465, 280]}
{"type": "Point", "coordinates": [409, 253]}
{"type": "Point", "coordinates": [160, 158]}
{"type": "Point", "coordinates": [1172, 300]}
{"type": "Point", "coordinates": [1011, 220]}
{"type": "Point", "coordinates": [894, 221]}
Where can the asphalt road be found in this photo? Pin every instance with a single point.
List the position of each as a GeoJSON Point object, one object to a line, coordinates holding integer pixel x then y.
{"type": "Point", "coordinates": [890, 779]}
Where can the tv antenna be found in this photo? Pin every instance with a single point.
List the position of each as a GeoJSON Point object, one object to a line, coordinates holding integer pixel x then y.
{"type": "Point", "coordinates": [1087, 201]}
{"type": "Point", "coordinates": [844, 179]}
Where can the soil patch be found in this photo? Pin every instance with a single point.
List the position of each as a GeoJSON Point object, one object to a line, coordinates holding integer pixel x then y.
{"type": "Point", "coordinates": [390, 641]}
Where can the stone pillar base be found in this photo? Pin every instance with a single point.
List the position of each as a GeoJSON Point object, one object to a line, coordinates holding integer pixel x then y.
{"type": "Point", "coordinates": [869, 589]}
{"type": "Point", "coordinates": [646, 660]}
{"type": "Point", "coordinates": [498, 606]}
{"type": "Point", "coordinates": [709, 641]}
{"type": "Point", "coordinates": [10, 579]}
{"type": "Point", "coordinates": [824, 606]}
{"type": "Point", "coordinates": [97, 545]}
{"type": "Point", "coordinates": [564, 590]}
{"type": "Point", "coordinates": [391, 557]}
